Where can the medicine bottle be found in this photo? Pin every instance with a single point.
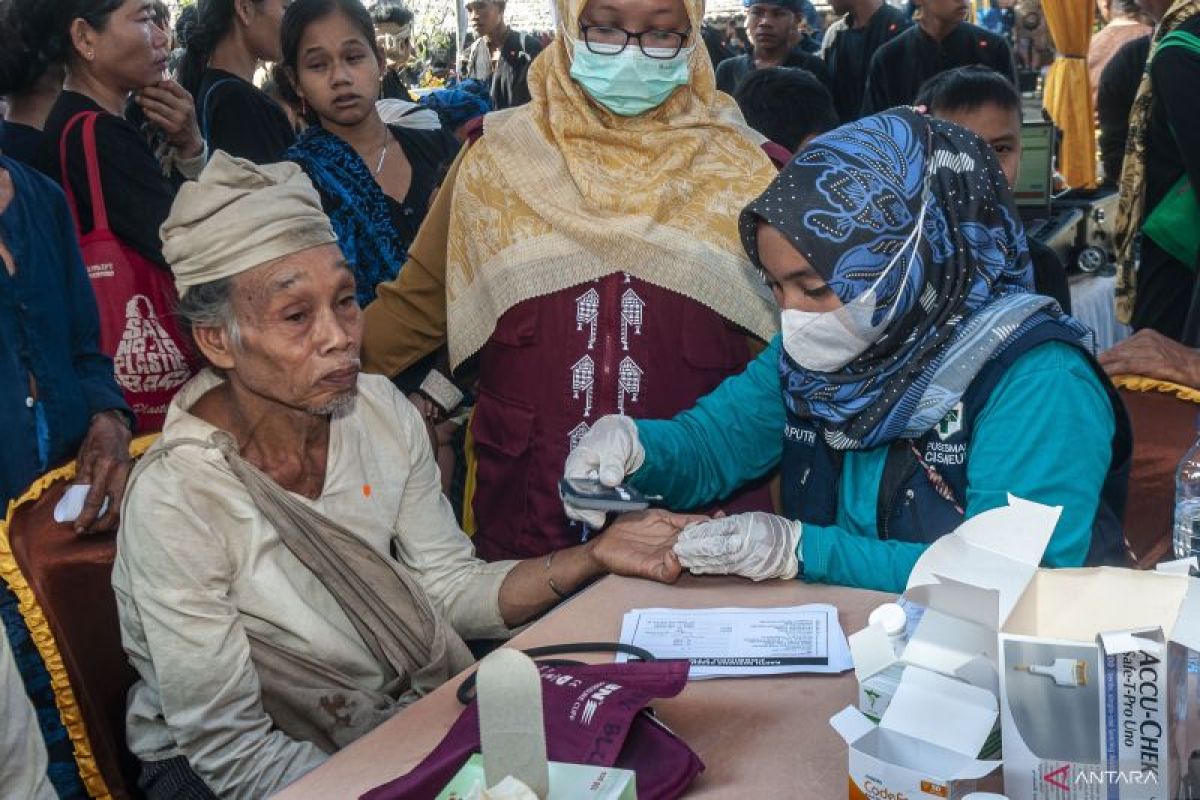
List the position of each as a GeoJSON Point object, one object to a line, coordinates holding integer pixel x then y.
{"type": "Point", "coordinates": [891, 617]}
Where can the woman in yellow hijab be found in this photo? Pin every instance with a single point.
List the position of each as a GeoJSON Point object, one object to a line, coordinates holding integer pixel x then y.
{"type": "Point", "coordinates": [583, 259]}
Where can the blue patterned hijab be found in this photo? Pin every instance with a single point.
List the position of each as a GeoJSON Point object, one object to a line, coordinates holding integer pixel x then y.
{"type": "Point", "coordinates": [356, 207]}
{"type": "Point", "coordinates": [849, 203]}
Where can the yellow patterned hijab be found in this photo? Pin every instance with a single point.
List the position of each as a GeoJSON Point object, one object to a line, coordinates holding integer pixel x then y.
{"type": "Point", "coordinates": [560, 192]}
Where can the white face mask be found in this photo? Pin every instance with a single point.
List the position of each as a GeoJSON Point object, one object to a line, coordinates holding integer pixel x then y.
{"type": "Point", "coordinates": [826, 341]}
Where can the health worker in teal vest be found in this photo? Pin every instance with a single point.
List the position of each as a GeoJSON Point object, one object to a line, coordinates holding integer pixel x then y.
{"type": "Point", "coordinates": [917, 381]}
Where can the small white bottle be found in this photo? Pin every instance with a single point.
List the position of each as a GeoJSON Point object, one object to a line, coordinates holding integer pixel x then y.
{"type": "Point", "coordinates": [875, 691]}
{"type": "Point", "coordinates": [891, 617]}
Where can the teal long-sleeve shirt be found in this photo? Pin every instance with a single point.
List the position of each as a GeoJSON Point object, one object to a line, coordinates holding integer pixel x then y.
{"type": "Point", "coordinates": [1044, 435]}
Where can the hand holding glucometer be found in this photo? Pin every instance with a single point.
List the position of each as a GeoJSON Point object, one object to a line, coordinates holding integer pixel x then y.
{"type": "Point", "coordinates": [594, 477]}
{"type": "Point", "coordinates": [589, 494]}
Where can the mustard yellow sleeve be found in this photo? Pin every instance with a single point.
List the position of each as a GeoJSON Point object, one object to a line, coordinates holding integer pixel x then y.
{"type": "Point", "coordinates": [407, 319]}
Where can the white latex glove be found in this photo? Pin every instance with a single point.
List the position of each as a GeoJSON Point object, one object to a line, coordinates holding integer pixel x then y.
{"type": "Point", "coordinates": [608, 452]}
{"type": "Point", "coordinates": [755, 545]}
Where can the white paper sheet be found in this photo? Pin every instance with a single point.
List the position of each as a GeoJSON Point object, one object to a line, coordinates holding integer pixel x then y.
{"type": "Point", "coordinates": [70, 506]}
{"type": "Point", "coordinates": [740, 642]}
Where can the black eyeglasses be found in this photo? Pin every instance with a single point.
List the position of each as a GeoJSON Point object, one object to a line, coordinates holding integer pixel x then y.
{"type": "Point", "coordinates": [604, 40]}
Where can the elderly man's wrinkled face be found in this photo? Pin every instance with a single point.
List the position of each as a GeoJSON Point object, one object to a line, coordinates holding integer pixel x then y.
{"type": "Point", "coordinates": [301, 328]}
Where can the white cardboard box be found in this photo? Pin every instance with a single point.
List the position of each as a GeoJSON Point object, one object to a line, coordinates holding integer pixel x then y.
{"type": "Point", "coordinates": [991, 610]}
{"type": "Point", "coordinates": [1093, 666]}
{"type": "Point", "coordinates": [926, 743]}
{"type": "Point", "coordinates": [966, 582]}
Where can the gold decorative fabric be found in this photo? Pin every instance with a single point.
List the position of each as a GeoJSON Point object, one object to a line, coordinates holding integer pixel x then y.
{"type": "Point", "coordinates": [1138, 383]}
{"type": "Point", "coordinates": [1133, 173]}
{"type": "Point", "coordinates": [560, 192]}
{"type": "Point", "coordinates": [43, 636]}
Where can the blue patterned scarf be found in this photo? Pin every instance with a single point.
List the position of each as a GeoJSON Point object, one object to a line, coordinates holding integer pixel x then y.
{"type": "Point", "coordinates": [848, 203]}
{"type": "Point", "coordinates": [459, 104]}
{"type": "Point", "coordinates": [356, 207]}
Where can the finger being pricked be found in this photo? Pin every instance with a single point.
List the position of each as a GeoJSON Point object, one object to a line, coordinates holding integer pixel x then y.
{"type": "Point", "coordinates": [677, 520]}
{"type": "Point", "coordinates": [669, 569]}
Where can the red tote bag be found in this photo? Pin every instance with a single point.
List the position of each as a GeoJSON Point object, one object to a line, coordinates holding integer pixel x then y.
{"type": "Point", "coordinates": [136, 298]}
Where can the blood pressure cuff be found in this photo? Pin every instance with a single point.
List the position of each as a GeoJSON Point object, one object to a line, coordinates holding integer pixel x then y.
{"type": "Point", "coordinates": [595, 714]}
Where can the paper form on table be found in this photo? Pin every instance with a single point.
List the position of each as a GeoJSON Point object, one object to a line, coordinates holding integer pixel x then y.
{"type": "Point", "coordinates": [741, 642]}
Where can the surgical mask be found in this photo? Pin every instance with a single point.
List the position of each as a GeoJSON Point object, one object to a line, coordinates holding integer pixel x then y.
{"type": "Point", "coordinates": [630, 82]}
{"type": "Point", "coordinates": [826, 341]}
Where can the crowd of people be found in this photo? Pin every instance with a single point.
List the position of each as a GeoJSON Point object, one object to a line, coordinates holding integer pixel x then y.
{"type": "Point", "coordinates": [787, 290]}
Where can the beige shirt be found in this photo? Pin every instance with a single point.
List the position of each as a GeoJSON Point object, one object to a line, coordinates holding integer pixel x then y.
{"type": "Point", "coordinates": [198, 568]}
{"type": "Point", "coordinates": [1105, 44]}
{"type": "Point", "coordinates": [22, 750]}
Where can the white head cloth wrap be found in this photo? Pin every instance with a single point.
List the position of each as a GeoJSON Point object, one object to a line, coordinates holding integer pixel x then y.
{"type": "Point", "coordinates": [238, 215]}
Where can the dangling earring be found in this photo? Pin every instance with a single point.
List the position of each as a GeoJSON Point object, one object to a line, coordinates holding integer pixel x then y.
{"type": "Point", "coordinates": [303, 108]}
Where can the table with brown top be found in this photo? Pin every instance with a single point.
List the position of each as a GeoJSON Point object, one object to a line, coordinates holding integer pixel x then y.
{"type": "Point", "coordinates": [758, 737]}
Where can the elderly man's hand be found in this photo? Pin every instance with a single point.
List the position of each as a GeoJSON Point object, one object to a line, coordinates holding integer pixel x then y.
{"type": "Point", "coordinates": [1152, 355]}
{"type": "Point", "coordinates": [640, 544]}
{"type": "Point", "coordinates": [104, 463]}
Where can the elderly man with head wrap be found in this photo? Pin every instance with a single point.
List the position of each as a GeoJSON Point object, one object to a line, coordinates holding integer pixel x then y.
{"type": "Point", "coordinates": [288, 573]}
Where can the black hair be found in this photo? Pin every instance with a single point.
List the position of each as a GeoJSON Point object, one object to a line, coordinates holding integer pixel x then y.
{"type": "Point", "coordinates": [162, 14]}
{"type": "Point", "coordinates": [36, 35]}
{"type": "Point", "coordinates": [302, 13]}
{"type": "Point", "coordinates": [19, 71]}
{"type": "Point", "coordinates": [391, 13]}
{"type": "Point", "coordinates": [184, 25]}
{"type": "Point", "coordinates": [214, 19]}
{"type": "Point", "coordinates": [785, 104]}
{"type": "Point", "coordinates": [968, 88]}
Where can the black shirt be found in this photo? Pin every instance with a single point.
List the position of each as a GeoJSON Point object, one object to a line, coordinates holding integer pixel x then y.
{"type": "Point", "coordinates": [1049, 274]}
{"type": "Point", "coordinates": [1164, 285]}
{"type": "Point", "coordinates": [392, 87]}
{"type": "Point", "coordinates": [240, 119]}
{"type": "Point", "coordinates": [1114, 98]}
{"type": "Point", "coordinates": [21, 142]}
{"type": "Point", "coordinates": [510, 84]}
{"type": "Point", "coordinates": [900, 66]}
{"type": "Point", "coordinates": [849, 57]}
{"type": "Point", "coordinates": [426, 151]}
{"type": "Point", "coordinates": [732, 70]}
{"type": "Point", "coordinates": [136, 194]}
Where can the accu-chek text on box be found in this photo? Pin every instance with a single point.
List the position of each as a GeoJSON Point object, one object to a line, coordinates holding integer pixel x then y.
{"type": "Point", "coordinates": [1094, 693]}
{"type": "Point", "coordinates": [1089, 665]}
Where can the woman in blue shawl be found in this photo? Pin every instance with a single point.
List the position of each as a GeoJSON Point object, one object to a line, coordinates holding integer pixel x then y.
{"type": "Point", "coordinates": [375, 180]}
{"type": "Point", "coordinates": [917, 380]}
